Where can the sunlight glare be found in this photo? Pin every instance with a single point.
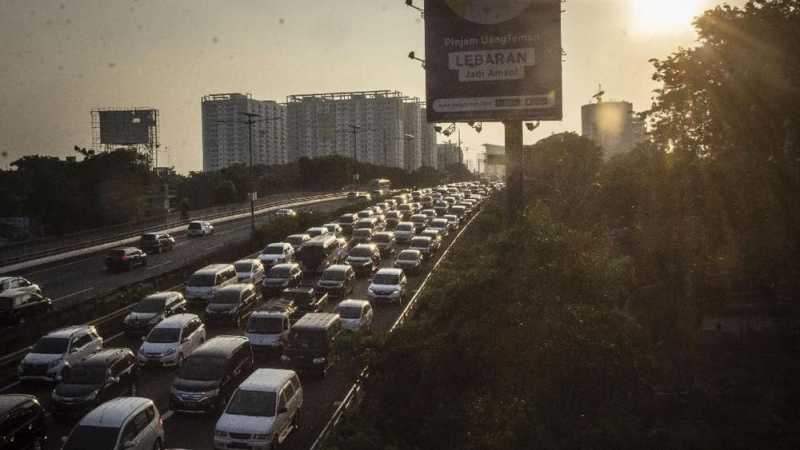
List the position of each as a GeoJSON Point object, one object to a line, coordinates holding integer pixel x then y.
{"type": "Point", "coordinates": [665, 16]}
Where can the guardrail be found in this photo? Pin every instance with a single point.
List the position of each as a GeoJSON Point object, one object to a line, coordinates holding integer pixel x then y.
{"type": "Point", "coordinates": [355, 388]}
{"type": "Point", "coordinates": [117, 235]}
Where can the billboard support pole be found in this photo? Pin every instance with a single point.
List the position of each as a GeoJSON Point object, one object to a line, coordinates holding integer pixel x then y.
{"type": "Point", "coordinates": [515, 169]}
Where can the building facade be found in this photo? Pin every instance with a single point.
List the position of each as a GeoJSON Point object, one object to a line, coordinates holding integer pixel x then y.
{"type": "Point", "coordinates": [613, 126]}
{"type": "Point", "coordinates": [412, 140]}
{"type": "Point", "coordinates": [449, 154]}
{"type": "Point", "coordinates": [226, 133]}
{"type": "Point", "coordinates": [430, 155]}
{"type": "Point", "coordinates": [495, 161]}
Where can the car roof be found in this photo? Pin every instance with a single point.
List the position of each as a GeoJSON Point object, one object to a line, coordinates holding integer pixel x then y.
{"type": "Point", "coordinates": [235, 287]}
{"type": "Point", "coordinates": [7, 278]}
{"type": "Point", "coordinates": [337, 268]}
{"type": "Point", "coordinates": [390, 271]}
{"type": "Point", "coordinates": [68, 331]}
{"type": "Point", "coordinates": [270, 313]}
{"type": "Point", "coordinates": [11, 401]}
{"type": "Point", "coordinates": [384, 233]}
{"type": "Point", "coordinates": [124, 249]}
{"type": "Point", "coordinates": [267, 380]}
{"type": "Point", "coordinates": [410, 250]}
{"type": "Point", "coordinates": [248, 260]}
{"type": "Point", "coordinates": [318, 228]}
{"type": "Point", "coordinates": [279, 244]}
{"type": "Point", "coordinates": [285, 266]}
{"type": "Point", "coordinates": [214, 268]}
{"type": "Point", "coordinates": [419, 238]}
{"type": "Point", "coordinates": [220, 345]}
{"type": "Point", "coordinates": [176, 321]}
{"type": "Point", "coordinates": [104, 356]}
{"type": "Point", "coordinates": [352, 302]}
{"type": "Point", "coordinates": [165, 295]}
{"type": "Point", "coordinates": [369, 246]}
{"type": "Point", "coordinates": [113, 413]}
{"type": "Point", "coordinates": [316, 320]}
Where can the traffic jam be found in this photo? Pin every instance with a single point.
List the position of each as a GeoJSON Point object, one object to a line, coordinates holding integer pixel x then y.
{"type": "Point", "coordinates": [244, 349]}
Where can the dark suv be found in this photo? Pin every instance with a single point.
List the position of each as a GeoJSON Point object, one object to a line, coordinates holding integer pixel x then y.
{"type": "Point", "coordinates": [125, 258]}
{"type": "Point", "coordinates": [156, 242]}
{"type": "Point", "coordinates": [22, 422]}
{"type": "Point", "coordinates": [105, 375]}
{"type": "Point", "coordinates": [311, 343]}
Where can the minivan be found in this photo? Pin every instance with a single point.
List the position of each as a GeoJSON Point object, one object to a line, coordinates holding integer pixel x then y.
{"type": "Point", "coordinates": [209, 375]}
{"type": "Point", "coordinates": [262, 411]}
{"type": "Point", "coordinates": [202, 284]}
{"type": "Point", "coordinates": [311, 343]}
{"type": "Point", "coordinates": [347, 222]}
{"type": "Point", "coordinates": [57, 349]}
{"type": "Point", "coordinates": [320, 252]}
{"type": "Point", "coordinates": [268, 330]}
{"type": "Point", "coordinates": [125, 423]}
{"type": "Point", "coordinates": [171, 341]}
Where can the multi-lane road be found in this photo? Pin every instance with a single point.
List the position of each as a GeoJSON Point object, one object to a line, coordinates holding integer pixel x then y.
{"type": "Point", "coordinates": [196, 431]}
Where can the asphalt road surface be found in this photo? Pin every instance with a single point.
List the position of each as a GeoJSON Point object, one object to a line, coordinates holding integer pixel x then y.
{"type": "Point", "coordinates": [196, 431]}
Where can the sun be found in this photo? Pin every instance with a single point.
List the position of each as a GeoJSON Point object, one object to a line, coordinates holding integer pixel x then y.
{"type": "Point", "coordinates": [665, 16]}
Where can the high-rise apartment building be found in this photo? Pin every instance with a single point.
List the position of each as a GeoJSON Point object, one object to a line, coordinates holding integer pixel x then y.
{"type": "Point", "coordinates": [226, 134]}
{"type": "Point", "coordinates": [449, 154]}
{"type": "Point", "coordinates": [612, 125]}
{"type": "Point", "coordinates": [430, 155]}
{"type": "Point", "coordinates": [378, 127]}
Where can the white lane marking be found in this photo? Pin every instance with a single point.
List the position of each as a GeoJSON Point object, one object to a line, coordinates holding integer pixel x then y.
{"type": "Point", "coordinates": [74, 293]}
{"type": "Point", "coordinates": [167, 414]}
{"type": "Point", "coordinates": [10, 386]}
{"type": "Point", "coordinates": [158, 265]}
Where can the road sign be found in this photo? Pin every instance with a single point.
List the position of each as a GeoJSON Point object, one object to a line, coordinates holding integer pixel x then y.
{"type": "Point", "coordinates": [493, 60]}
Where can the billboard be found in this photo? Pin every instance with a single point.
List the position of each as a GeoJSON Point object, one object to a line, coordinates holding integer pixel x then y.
{"type": "Point", "coordinates": [493, 60]}
{"type": "Point", "coordinates": [127, 127]}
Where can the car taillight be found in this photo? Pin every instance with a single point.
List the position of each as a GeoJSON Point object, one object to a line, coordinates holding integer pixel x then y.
{"type": "Point", "coordinates": [124, 258]}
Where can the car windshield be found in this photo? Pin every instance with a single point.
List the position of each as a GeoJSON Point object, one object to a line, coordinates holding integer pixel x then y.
{"type": "Point", "coordinates": [242, 267]}
{"type": "Point", "coordinates": [333, 275]}
{"type": "Point", "coordinates": [252, 403]}
{"type": "Point", "coordinates": [202, 368]}
{"type": "Point", "coordinates": [116, 253]}
{"type": "Point", "coordinates": [265, 325]}
{"type": "Point", "coordinates": [361, 252]}
{"type": "Point", "coordinates": [362, 232]}
{"type": "Point", "coordinates": [149, 305]}
{"type": "Point", "coordinates": [86, 437]}
{"type": "Point", "coordinates": [279, 272]}
{"type": "Point", "coordinates": [295, 240]}
{"type": "Point", "coordinates": [382, 238]}
{"type": "Point", "coordinates": [405, 227]}
{"type": "Point", "coordinates": [276, 250]}
{"type": "Point", "coordinates": [84, 374]}
{"type": "Point", "coordinates": [349, 312]}
{"type": "Point", "coordinates": [195, 226]}
{"type": "Point", "coordinates": [148, 237]}
{"type": "Point", "coordinates": [386, 278]}
{"type": "Point", "coordinates": [51, 346]}
{"type": "Point", "coordinates": [163, 335]}
{"type": "Point", "coordinates": [201, 280]}
{"type": "Point", "coordinates": [347, 218]}
{"type": "Point", "coordinates": [439, 223]}
{"type": "Point", "coordinates": [226, 296]}
{"type": "Point", "coordinates": [420, 242]}
{"type": "Point", "coordinates": [312, 255]}
{"type": "Point", "coordinates": [300, 297]}
{"type": "Point", "coordinates": [407, 256]}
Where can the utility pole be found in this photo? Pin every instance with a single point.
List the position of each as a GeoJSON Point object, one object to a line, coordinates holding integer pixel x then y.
{"type": "Point", "coordinates": [515, 188]}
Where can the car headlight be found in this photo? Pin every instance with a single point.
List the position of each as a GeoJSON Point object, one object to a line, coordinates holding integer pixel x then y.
{"type": "Point", "coordinates": [218, 433]}
{"type": "Point", "coordinates": [170, 351]}
{"type": "Point", "coordinates": [318, 360]}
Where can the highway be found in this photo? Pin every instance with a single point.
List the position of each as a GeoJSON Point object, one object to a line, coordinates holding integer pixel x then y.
{"type": "Point", "coordinates": [196, 431]}
{"type": "Point", "coordinates": [74, 281]}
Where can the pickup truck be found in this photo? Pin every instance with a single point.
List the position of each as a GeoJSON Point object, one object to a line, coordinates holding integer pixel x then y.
{"type": "Point", "coordinates": [303, 299]}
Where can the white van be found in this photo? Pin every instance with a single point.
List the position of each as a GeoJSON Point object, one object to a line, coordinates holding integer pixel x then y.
{"type": "Point", "coordinates": [125, 423]}
{"type": "Point", "coordinates": [261, 412]}
{"type": "Point", "coordinates": [202, 285]}
{"type": "Point", "coordinates": [172, 341]}
{"type": "Point", "coordinates": [268, 330]}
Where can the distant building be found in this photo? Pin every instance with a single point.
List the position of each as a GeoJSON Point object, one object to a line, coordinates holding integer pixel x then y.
{"type": "Point", "coordinates": [449, 154]}
{"type": "Point", "coordinates": [430, 155]}
{"type": "Point", "coordinates": [226, 133]}
{"type": "Point", "coordinates": [412, 140]}
{"type": "Point", "coordinates": [613, 126]}
{"type": "Point", "coordinates": [495, 161]}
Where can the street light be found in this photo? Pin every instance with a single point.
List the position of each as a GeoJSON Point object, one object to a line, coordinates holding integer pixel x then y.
{"type": "Point", "coordinates": [250, 121]}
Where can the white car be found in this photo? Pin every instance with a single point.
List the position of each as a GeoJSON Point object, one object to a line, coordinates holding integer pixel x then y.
{"type": "Point", "coordinates": [172, 341]}
{"type": "Point", "coordinates": [268, 330]}
{"type": "Point", "coordinates": [58, 349]}
{"type": "Point", "coordinates": [125, 423]}
{"type": "Point", "coordinates": [200, 228]}
{"type": "Point", "coordinates": [404, 232]}
{"type": "Point", "coordinates": [388, 285]}
{"type": "Point", "coordinates": [356, 315]}
{"type": "Point", "coordinates": [286, 212]}
{"type": "Point", "coordinates": [18, 284]}
{"type": "Point", "coordinates": [249, 271]}
{"type": "Point", "coordinates": [261, 412]}
{"type": "Point", "coordinates": [317, 231]}
{"type": "Point", "coordinates": [441, 224]}
{"type": "Point", "coordinates": [276, 253]}
{"type": "Point", "coordinates": [334, 228]}
{"type": "Point", "coordinates": [452, 221]}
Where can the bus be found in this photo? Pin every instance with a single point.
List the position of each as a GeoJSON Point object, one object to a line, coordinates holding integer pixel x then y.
{"type": "Point", "coordinates": [380, 184]}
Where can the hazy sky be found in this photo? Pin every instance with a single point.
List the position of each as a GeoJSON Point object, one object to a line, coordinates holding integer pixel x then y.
{"type": "Point", "coordinates": [61, 59]}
